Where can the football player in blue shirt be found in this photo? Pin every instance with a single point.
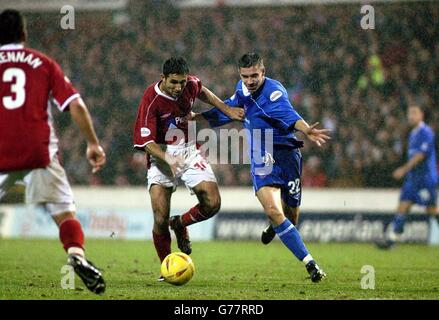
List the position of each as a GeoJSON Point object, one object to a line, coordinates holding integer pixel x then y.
{"type": "Point", "coordinates": [419, 173]}
{"type": "Point", "coordinates": [276, 163]}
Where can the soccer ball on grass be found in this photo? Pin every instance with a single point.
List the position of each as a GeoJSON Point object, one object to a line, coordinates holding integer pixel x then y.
{"type": "Point", "coordinates": [177, 268]}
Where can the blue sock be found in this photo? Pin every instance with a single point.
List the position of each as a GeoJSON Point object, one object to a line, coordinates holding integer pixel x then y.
{"type": "Point", "coordinates": [291, 238]}
{"type": "Point", "coordinates": [398, 223]}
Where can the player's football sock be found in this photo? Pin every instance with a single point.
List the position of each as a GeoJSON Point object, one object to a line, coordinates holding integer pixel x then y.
{"type": "Point", "coordinates": [72, 236]}
{"type": "Point", "coordinates": [399, 222]}
{"type": "Point", "coordinates": [162, 244]}
{"type": "Point", "coordinates": [193, 216]}
{"type": "Point", "coordinates": [289, 235]}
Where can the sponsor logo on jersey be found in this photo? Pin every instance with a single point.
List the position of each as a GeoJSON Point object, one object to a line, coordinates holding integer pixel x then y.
{"type": "Point", "coordinates": [144, 132]}
{"type": "Point", "coordinates": [275, 95]}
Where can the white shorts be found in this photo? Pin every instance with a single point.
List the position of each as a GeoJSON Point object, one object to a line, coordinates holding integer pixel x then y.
{"type": "Point", "coordinates": [196, 169]}
{"type": "Point", "coordinates": [49, 187]}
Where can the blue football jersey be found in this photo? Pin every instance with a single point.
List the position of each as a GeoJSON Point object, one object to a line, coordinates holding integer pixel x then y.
{"type": "Point", "coordinates": [269, 116]}
{"type": "Point", "coordinates": [422, 140]}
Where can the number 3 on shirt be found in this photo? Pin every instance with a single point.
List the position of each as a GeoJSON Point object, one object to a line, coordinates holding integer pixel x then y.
{"type": "Point", "coordinates": [17, 77]}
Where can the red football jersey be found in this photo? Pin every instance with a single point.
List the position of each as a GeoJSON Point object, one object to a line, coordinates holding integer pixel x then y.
{"type": "Point", "coordinates": [163, 119]}
{"type": "Point", "coordinates": [29, 82]}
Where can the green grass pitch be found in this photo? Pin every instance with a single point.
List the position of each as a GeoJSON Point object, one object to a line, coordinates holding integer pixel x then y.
{"type": "Point", "coordinates": [31, 269]}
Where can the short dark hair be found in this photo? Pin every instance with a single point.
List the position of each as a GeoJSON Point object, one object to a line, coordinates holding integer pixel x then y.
{"type": "Point", "coordinates": [175, 65]}
{"type": "Point", "coordinates": [250, 59]}
{"type": "Point", "coordinates": [12, 26]}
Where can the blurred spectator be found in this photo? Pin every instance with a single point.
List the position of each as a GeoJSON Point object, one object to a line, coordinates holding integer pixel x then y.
{"type": "Point", "coordinates": [313, 174]}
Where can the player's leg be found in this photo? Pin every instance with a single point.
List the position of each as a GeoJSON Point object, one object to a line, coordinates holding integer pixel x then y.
{"type": "Point", "coordinates": [209, 199]}
{"type": "Point", "coordinates": [432, 211]}
{"type": "Point", "coordinates": [270, 199]}
{"type": "Point", "coordinates": [50, 188]}
{"type": "Point", "coordinates": [161, 205]}
{"type": "Point", "coordinates": [292, 214]}
{"type": "Point", "coordinates": [200, 180]}
{"type": "Point", "coordinates": [286, 173]}
{"type": "Point", "coordinates": [397, 225]}
{"type": "Point", "coordinates": [71, 236]}
{"type": "Point", "coordinates": [431, 202]}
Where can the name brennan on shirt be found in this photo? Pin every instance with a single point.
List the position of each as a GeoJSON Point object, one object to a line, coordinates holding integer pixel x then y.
{"type": "Point", "coordinates": [20, 56]}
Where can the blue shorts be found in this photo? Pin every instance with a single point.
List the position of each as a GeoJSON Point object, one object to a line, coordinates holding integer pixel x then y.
{"type": "Point", "coordinates": [419, 192]}
{"type": "Point", "coordinates": [285, 172]}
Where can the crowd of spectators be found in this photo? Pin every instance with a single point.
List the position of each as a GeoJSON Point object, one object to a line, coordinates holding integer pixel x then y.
{"type": "Point", "coordinates": [356, 82]}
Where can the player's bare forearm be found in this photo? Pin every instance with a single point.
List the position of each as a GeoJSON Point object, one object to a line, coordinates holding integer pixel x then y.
{"type": "Point", "coordinates": [95, 153]}
{"type": "Point", "coordinates": [209, 97]}
{"type": "Point", "coordinates": [318, 136]}
{"type": "Point", "coordinates": [82, 118]}
{"type": "Point", "coordinates": [156, 151]}
{"type": "Point", "coordinates": [413, 162]}
{"type": "Point", "coordinates": [175, 162]}
{"type": "Point", "coordinates": [400, 172]}
{"type": "Point", "coordinates": [302, 126]}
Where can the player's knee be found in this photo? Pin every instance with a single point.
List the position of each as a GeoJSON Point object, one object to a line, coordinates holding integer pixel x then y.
{"type": "Point", "coordinates": [212, 205]}
{"type": "Point", "coordinates": [276, 216]}
{"type": "Point", "coordinates": [161, 221]}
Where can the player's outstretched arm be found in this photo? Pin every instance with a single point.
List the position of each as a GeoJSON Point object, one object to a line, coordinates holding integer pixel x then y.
{"type": "Point", "coordinates": [318, 136]}
{"type": "Point", "coordinates": [81, 116]}
{"type": "Point", "coordinates": [209, 97]}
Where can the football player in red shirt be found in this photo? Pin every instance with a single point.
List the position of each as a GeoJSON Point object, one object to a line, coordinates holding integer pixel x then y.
{"type": "Point", "coordinates": [161, 130]}
{"type": "Point", "coordinates": [30, 82]}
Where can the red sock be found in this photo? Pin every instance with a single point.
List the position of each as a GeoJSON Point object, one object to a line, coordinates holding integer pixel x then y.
{"type": "Point", "coordinates": [71, 234]}
{"type": "Point", "coordinates": [193, 216]}
{"type": "Point", "coordinates": [162, 243]}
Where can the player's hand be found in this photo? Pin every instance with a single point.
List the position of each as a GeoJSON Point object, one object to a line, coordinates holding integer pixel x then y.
{"type": "Point", "coordinates": [176, 163]}
{"type": "Point", "coordinates": [318, 136]}
{"type": "Point", "coordinates": [236, 113]}
{"type": "Point", "coordinates": [96, 157]}
{"type": "Point", "coordinates": [399, 173]}
{"type": "Point", "coordinates": [195, 116]}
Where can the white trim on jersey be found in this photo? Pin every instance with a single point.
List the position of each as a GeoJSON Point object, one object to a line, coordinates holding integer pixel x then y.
{"type": "Point", "coordinates": [53, 139]}
{"type": "Point", "coordinates": [245, 91]}
{"type": "Point", "coordinates": [143, 145]}
{"type": "Point", "coordinates": [12, 46]}
{"type": "Point", "coordinates": [68, 100]}
{"type": "Point", "coordinates": [147, 112]}
{"type": "Point", "coordinates": [160, 93]}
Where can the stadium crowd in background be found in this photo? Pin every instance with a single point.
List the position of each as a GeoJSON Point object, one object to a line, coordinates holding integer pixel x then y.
{"type": "Point", "coordinates": [358, 81]}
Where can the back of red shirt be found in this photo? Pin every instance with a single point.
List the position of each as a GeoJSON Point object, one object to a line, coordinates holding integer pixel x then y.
{"type": "Point", "coordinates": [29, 83]}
